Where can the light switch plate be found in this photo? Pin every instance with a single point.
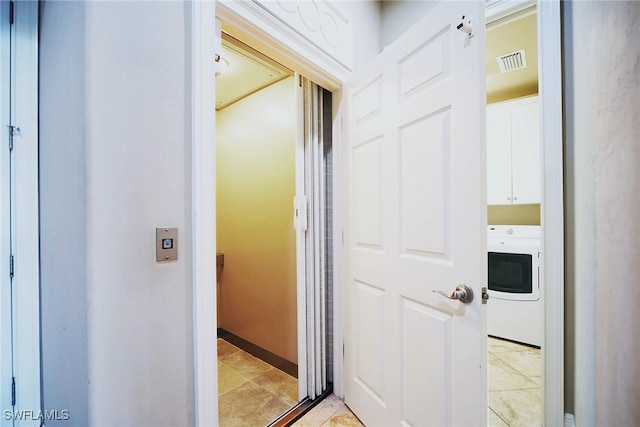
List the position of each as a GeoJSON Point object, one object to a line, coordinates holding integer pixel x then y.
{"type": "Point", "coordinates": [166, 244]}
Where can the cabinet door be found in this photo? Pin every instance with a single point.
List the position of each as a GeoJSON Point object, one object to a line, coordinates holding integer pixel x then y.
{"type": "Point", "coordinates": [498, 154]}
{"type": "Point", "coordinates": [525, 152]}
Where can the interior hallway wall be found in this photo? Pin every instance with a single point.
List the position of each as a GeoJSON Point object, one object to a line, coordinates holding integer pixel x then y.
{"type": "Point", "coordinates": [255, 185]}
{"type": "Point", "coordinates": [63, 222]}
{"type": "Point", "coordinates": [117, 327]}
{"type": "Point", "coordinates": [602, 124]}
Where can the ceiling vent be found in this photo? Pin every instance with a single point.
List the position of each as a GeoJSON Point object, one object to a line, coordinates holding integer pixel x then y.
{"type": "Point", "coordinates": [512, 61]}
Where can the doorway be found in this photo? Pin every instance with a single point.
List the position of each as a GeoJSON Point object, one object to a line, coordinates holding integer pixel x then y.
{"type": "Point", "coordinates": [263, 27]}
{"type": "Point", "coordinates": [274, 293]}
{"type": "Point", "coordinates": [256, 242]}
{"type": "Point", "coordinates": [515, 322]}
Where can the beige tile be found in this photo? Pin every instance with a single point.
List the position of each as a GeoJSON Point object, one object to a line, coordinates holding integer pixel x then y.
{"type": "Point", "coordinates": [518, 408]}
{"type": "Point", "coordinates": [247, 365]}
{"type": "Point", "coordinates": [280, 384]}
{"type": "Point", "coordinates": [496, 345]}
{"type": "Point", "coordinates": [495, 420]}
{"type": "Point", "coordinates": [249, 405]}
{"type": "Point", "coordinates": [226, 349]}
{"type": "Point", "coordinates": [527, 362]}
{"type": "Point", "coordinates": [321, 413]}
{"type": "Point", "coordinates": [536, 379]}
{"type": "Point", "coordinates": [343, 418]}
{"type": "Point", "coordinates": [228, 378]}
{"type": "Point", "coordinates": [504, 377]}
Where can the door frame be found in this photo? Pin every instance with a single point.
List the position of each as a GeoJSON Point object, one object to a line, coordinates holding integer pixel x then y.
{"type": "Point", "coordinates": [293, 50]}
{"type": "Point", "coordinates": [24, 224]}
{"type": "Point", "coordinates": [552, 203]}
{"type": "Point", "coordinates": [552, 215]}
{"type": "Point", "coordinates": [266, 33]}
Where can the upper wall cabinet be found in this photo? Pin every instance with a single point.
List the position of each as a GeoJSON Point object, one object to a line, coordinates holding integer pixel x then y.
{"type": "Point", "coordinates": [513, 152]}
{"type": "Point", "coordinates": [323, 23]}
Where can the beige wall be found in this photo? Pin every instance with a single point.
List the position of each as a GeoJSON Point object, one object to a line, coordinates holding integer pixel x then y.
{"type": "Point", "coordinates": [513, 214]}
{"type": "Point", "coordinates": [255, 187]}
{"type": "Point", "coordinates": [513, 93]}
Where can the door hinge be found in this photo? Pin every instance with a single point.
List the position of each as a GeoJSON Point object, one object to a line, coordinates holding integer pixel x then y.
{"type": "Point", "coordinates": [11, 8]}
{"type": "Point", "coordinates": [13, 391]}
{"type": "Point", "coordinates": [11, 266]}
{"type": "Point", "coordinates": [300, 80]}
{"type": "Point", "coordinates": [485, 295]}
{"type": "Point", "coordinates": [13, 131]}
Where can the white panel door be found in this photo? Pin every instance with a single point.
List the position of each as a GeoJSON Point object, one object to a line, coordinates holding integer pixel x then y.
{"type": "Point", "coordinates": [416, 222]}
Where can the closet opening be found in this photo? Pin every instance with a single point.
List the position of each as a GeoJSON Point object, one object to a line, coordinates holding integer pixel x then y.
{"type": "Point", "coordinates": [273, 237]}
{"type": "Point", "coordinates": [515, 310]}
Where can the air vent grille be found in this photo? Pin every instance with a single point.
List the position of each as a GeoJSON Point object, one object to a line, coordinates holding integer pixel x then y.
{"type": "Point", "coordinates": [512, 61]}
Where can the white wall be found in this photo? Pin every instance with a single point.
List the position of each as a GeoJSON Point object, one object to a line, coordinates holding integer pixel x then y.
{"type": "Point", "coordinates": [398, 15]}
{"type": "Point", "coordinates": [366, 16]}
{"type": "Point", "coordinates": [115, 164]}
{"type": "Point", "coordinates": [62, 211]}
{"type": "Point", "coordinates": [602, 88]}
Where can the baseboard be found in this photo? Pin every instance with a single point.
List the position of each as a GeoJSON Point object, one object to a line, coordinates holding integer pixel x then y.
{"type": "Point", "coordinates": [265, 355]}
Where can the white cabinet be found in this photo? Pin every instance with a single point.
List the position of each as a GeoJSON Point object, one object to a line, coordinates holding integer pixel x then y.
{"type": "Point", "coordinates": [513, 152]}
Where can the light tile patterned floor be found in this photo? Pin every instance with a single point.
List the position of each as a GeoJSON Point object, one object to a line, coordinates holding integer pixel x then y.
{"type": "Point", "coordinates": [331, 412]}
{"type": "Point", "coordinates": [514, 391]}
{"type": "Point", "coordinates": [515, 396]}
{"type": "Point", "coordinates": [251, 392]}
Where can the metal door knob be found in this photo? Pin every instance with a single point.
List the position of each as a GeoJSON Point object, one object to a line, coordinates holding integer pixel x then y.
{"type": "Point", "coordinates": [463, 293]}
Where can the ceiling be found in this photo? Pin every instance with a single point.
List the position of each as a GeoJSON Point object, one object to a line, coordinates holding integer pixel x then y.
{"type": "Point", "coordinates": [244, 71]}
{"type": "Point", "coordinates": [506, 35]}
{"type": "Point", "coordinates": [248, 71]}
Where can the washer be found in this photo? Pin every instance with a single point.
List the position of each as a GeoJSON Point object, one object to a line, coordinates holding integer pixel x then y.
{"type": "Point", "coordinates": [515, 307]}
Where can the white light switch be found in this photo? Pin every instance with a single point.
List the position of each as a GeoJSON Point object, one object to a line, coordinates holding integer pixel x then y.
{"type": "Point", "coordinates": [166, 244]}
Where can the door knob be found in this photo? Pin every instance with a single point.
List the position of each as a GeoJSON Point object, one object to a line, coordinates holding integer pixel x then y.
{"type": "Point", "coordinates": [463, 293]}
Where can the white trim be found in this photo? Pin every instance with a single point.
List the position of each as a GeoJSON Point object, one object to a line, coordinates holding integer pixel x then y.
{"type": "Point", "coordinates": [203, 207]}
{"type": "Point", "coordinates": [323, 23]}
{"type": "Point", "coordinates": [301, 254]}
{"type": "Point", "coordinates": [338, 247]}
{"type": "Point", "coordinates": [263, 31]}
{"type": "Point", "coordinates": [552, 215]}
{"type": "Point", "coordinates": [498, 9]}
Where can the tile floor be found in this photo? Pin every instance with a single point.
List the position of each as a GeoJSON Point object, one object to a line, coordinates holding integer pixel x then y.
{"type": "Point", "coordinates": [331, 412]}
{"type": "Point", "coordinates": [253, 393]}
{"type": "Point", "coordinates": [515, 395]}
{"type": "Point", "coordinates": [514, 391]}
{"type": "Point", "coordinates": [250, 391]}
